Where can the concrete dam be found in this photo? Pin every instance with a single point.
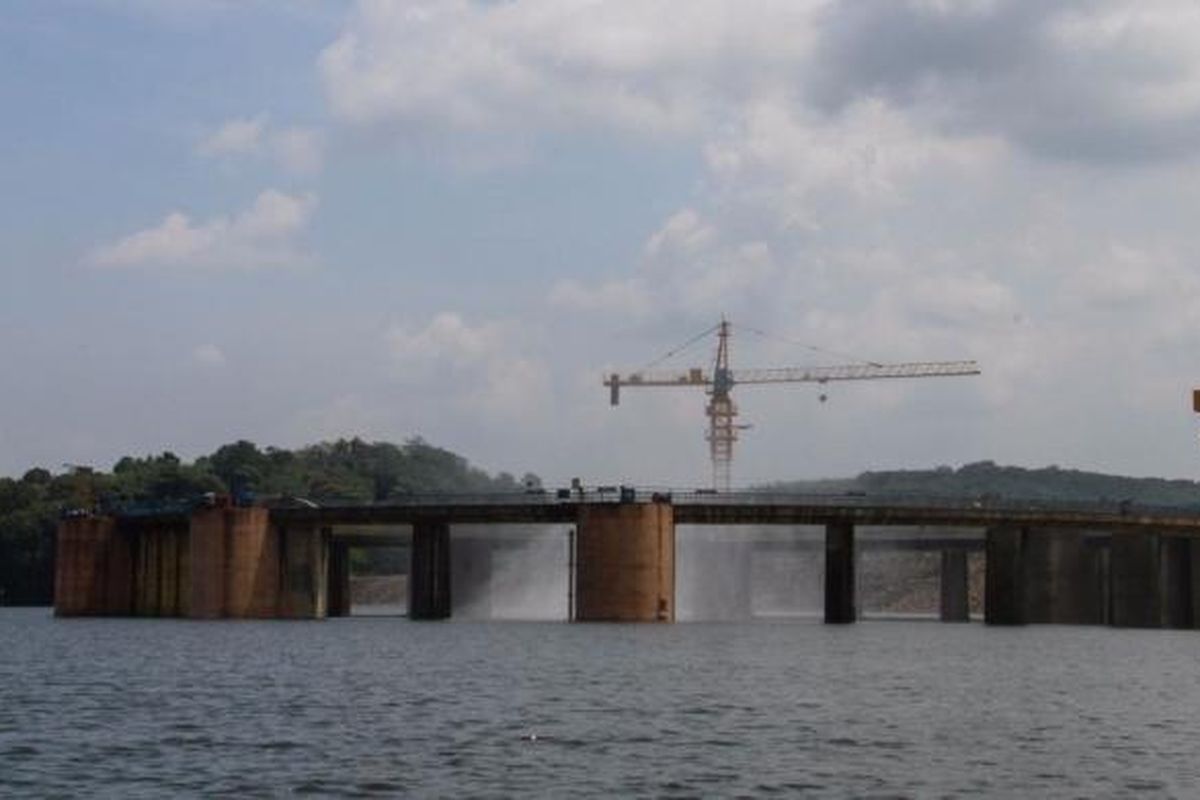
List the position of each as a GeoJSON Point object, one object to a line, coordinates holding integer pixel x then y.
{"type": "Point", "coordinates": [1104, 565]}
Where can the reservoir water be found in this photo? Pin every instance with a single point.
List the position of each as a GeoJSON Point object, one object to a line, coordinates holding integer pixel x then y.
{"type": "Point", "coordinates": [382, 706]}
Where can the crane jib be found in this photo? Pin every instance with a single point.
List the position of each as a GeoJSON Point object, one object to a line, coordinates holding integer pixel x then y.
{"type": "Point", "coordinates": [719, 383]}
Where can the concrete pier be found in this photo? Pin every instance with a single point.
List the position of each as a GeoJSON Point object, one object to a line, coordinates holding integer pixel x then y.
{"type": "Point", "coordinates": [1063, 574]}
{"type": "Point", "coordinates": [1193, 557]}
{"type": "Point", "coordinates": [1135, 579]}
{"type": "Point", "coordinates": [1176, 582]}
{"type": "Point", "coordinates": [234, 564]}
{"type": "Point", "coordinates": [625, 563]}
{"type": "Point", "coordinates": [429, 576]}
{"type": "Point", "coordinates": [955, 603]}
{"type": "Point", "coordinates": [306, 572]}
{"type": "Point", "coordinates": [337, 573]}
{"type": "Point", "coordinates": [92, 568]}
{"type": "Point", "coordinates": [161, 572]}
{"type": "Point", "coordinates": [840, 602]}
{"type": "Point", "coordinates": [1004, 596]}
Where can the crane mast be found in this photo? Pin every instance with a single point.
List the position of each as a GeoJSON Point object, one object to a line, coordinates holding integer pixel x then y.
{"type": "Point", "coordinates": [719, 383]}
{"type": "Point", "coordinates": [722, 432]}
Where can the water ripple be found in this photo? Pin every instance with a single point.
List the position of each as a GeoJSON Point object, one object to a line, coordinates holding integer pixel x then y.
{"type": "Point", "coordinates": [382, 707]}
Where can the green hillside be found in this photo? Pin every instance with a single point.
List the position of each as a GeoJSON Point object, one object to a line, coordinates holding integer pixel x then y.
{"type": "Point", "coordinates": [986, 479]}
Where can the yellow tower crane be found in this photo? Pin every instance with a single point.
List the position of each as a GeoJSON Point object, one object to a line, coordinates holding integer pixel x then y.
{"type": "Point", "coordinates": [719, 382]}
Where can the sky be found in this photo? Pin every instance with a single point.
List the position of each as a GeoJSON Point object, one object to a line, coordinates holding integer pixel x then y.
{"type": "Point", "coordinates": [294, 222]}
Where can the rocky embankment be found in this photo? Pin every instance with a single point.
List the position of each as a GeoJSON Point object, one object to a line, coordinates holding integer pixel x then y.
{"type": "Point", "coordinates": [375, 590]}
{"type": "Point", "coordinates": [910, 583]}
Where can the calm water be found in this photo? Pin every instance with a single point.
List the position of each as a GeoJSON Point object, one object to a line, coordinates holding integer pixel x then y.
{"type": "Point", "coordinates": [386, 706]}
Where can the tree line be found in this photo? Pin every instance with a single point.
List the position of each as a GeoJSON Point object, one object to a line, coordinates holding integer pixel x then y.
{"type": "Point", "coordinates": [985, 480]}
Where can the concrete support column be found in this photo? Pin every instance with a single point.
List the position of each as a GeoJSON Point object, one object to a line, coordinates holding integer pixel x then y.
{"type": "Point", "coordinates": [303, 572]}
{"type": "Point", "coordinates": [206, 550]}
{"type": "Point", "coordinates": [429, 576]}
{"type": "Point", "coordinates": [340, 598]}
{"type": "Point", "coordinates": [160, 572]}
{"type": "Point", "coordinates": [1063, 578]}
{"type": "Point", "coordinates": [1004, 595]}
{"type": "Point", "coordinates": [955, 587]}
{"type": "Point", "coordinates": [1175, 578]}
{"type": "Point", "coordinates": [625, 563]}
{"type": "Point", "coordinates": [93, 568]}
{"type": "Point", "coordinates": [146, 559]}
{"type": "Point", "coordinates": [234, 564]}
{"type": "Point", "coordinates": [840, 602]}
{"type": "Point", "coordinates": [1135, 580]}
{"type": "Point", "coordinates": [171, 542]}
{"type": "Point", "coordinates": [1194, 560]}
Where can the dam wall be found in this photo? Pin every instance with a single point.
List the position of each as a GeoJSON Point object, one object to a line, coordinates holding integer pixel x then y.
{"type": "Point", "coordinates": [225, 562]}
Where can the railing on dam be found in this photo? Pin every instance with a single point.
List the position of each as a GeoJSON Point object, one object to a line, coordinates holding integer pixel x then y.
{"type": "Point", "coordinates": [699, 506]}
{"type": "Point", "coordinates": [762, 507]}
{"type": "Point", "coordinates": [764, 497]}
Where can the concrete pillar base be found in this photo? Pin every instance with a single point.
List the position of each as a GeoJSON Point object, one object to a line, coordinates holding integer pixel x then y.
{"type": "Point", "coordinates": [1064, 576]}
{"type": "Point", "coordinates": [1176, 579]}
{"type": "Point", "coordinates": [160, 572]}
{"type": "Point", "coordinates": [304, 567]}
{"type": "Point", "coordinates": [338, 577]}
{"type": "Point", "coordinates": [625, 563]}
{"type": "Point", "coordinates": [955, 587]}
{"type": "Point", "coordinates": [841, 605]}
{"type": "Point", "coordinates": [1134, 578]}
{"type": "Point", "coordinates": [234, 563]}
{"type": "Point", "coordinates": [429, 576]}
{"type": "Point", "coordinates": [1004, 596]}
{"type": "Point", "coordinates": [93, 568]}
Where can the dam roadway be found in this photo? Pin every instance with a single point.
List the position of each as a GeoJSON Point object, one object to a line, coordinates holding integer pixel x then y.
{"type": "Point", "coordinates": [1105, 563]}
{"type": "Point", "coordinates": [753, 508]}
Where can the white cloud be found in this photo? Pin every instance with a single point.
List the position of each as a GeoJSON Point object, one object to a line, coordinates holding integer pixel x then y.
{"type": "Point", "coordinates": [685, 232]}
{"type": "Point", "coordinates": [298, 150]}
{"type": "Point", "coordinates": [209, 355]}
{"type": "Point", "coordinates": [1105, 80]}
{"type": "Point", "coordinates": [479, 368]}
{"type": "Point", "coordinates": [447, 338]}
{"type": "Point", "coordinates": [235, 137]}
{"type": "Point", "coordinates": [1100, 81]}
{"type": "Point", "coordinates": [639, 66]}
{"type": "Point", "coordinates": [623, 296]}
{"type": "Point", "coordinates": [261, 236]}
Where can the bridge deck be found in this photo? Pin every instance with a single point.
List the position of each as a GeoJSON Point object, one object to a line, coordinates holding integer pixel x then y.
{"type": "Point", "coordinates": [739, 508]}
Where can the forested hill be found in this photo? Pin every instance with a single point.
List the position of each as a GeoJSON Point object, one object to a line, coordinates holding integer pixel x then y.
{"type": "Point", "coordinates": [987, 479]}
{"type": "Point", "coordinates": [345, 470]}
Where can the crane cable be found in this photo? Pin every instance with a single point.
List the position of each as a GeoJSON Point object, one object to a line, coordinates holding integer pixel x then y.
{"type": "Point", "coordinates": [813, 348]}
{"type": "Point", "coordinates": [680, 348]}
